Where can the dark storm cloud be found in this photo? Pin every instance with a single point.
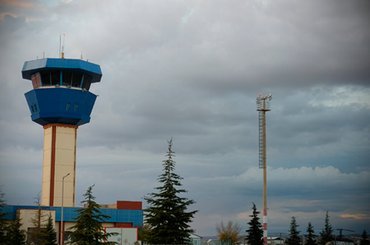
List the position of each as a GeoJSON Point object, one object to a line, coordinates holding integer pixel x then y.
{"type": "Point", "coordinates": [191, 70]}
{"type": "Point", "coordinates": [301, 50]}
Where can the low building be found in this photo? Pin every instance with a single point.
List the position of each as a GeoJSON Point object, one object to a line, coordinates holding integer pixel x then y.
{"type": "Point", "coordinates": [195, 239]}
{"type": "Point", "coordinates": [122, 214]}
{"type": "Point", "coordinates": [275, 240]}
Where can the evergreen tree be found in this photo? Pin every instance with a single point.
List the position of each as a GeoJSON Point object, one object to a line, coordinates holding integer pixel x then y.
{"type": "Point", "coordinates": [255, 232]}
{"type": "Point", "coordinates": [293, 238]}
{"type": "Point", "coordinates": [88, 229]}
{"type": "Point", "coordinates": [364, 239]}
{"type": "Point", "coordinates": [326, 235]}
{"type": "Point", "coordinates": [50, 236]}
{"type": "Point", "coordinates": [3, 226]}
{"type": "Point", "coordinates": [311, 237]}
{"type": "Point", "coordinates": [15, 235]}
{"type": "Point", "coordinates": [228, 234]}
{"type": "Point", "coordinates": [167, 213]}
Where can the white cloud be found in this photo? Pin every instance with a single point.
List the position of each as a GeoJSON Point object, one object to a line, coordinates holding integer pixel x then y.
{"type": "Point", "coordinates": [344, 96]}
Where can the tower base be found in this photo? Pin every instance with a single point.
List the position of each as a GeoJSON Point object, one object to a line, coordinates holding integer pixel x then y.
{"type": "Point", "coordinates": [59, 160]}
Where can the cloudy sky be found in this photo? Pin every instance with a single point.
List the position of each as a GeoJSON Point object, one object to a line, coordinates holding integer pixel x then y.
{"type": "Point", "coordinates": [191, 70]}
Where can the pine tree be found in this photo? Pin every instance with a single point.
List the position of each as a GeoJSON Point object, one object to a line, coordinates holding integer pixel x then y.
{"type": "Point", "coordinates": [293, 238]}
{"type": "Point", "coordinates": [311, 237]}
{"type": "Point", "coordinates": [50, 236]}
{"type": "Point", "coordinates": [88, 229]}
{"type": "Point", "coordinates": [15, 235]}
{"type": "Point", "coordinates": [228, 234]}
{"type": "Point", "coordinates": [364, 239]}
{"type": "Point", "coordinates": [255, 232]}
{"type": "Point", "coordinates": [167, 213]}
{"type": "Point", "coordinates": [326, 235]}
{"type": "Point", "coordinates": [3, 226]}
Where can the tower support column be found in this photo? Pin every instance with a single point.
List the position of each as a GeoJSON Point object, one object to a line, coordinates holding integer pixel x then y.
{"type": "Point", "coordinates": [59, 159]}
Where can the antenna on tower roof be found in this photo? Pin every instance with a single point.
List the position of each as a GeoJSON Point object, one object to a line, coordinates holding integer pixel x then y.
{"type": "Point", "coordinates": [61, 45]}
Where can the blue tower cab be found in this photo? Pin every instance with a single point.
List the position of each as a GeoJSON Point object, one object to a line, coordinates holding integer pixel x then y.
{"type": "Point", "coordinates": [61, 90]}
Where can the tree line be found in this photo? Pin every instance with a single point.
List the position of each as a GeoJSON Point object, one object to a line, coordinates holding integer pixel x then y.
{"type": "Point", "coordinates": [167, 220]}
{"type": "Point", "coordinates": [326, 236]}
{"type": "Point", "coordinates": [229, 234]}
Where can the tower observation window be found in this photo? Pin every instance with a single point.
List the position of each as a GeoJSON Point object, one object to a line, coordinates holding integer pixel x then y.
{"type": "Point", "coordinates": [45, 78]}
{"type": "Point", "coordinates": [36, 80]}
{"type": "Point", "coordinates": [76, 79]}
{"type": "Point", "coordinates": [55, 77]}
{"type": "Point", "coordinates": [67, 78]}
{"type": "Point", "coordinates": [49, 78]}
{"type": "Point", "coordinates": [86, 82]}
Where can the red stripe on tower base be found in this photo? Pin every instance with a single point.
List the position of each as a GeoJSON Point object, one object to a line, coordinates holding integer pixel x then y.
{"type": "Point", "coordinates": [74, 168]}
{"type": "Point", "coordinates": [52, 164]}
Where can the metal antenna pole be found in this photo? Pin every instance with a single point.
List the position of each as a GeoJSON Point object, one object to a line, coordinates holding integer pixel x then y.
{"type": "Point", "coordinates": [262, 108]}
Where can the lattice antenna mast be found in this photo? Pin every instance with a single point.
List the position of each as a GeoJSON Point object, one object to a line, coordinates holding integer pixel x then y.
{"type": "Point", "coordinates": [263, 105]}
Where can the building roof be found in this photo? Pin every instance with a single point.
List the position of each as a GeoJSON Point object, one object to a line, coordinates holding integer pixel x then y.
{"type": "Point", "coordinates": [33, 66]}
{"type": "Point", "coordinates": [70, 214]}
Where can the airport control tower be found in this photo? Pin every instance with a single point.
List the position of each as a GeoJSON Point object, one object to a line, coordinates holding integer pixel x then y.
{"type": "Point", "coordinates": [60, 101]}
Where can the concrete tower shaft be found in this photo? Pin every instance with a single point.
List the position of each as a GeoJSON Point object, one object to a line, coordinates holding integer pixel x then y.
{"type": "Point", "coordinates": [60, 101]}
{"type": "Point", "coordinates": [59, 159]}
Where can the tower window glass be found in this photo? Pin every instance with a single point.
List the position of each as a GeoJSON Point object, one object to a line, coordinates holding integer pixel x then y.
{"type": "Point", "coordinates": [36, 80]}
{"type": "Point", "coordinates": [75, 107]}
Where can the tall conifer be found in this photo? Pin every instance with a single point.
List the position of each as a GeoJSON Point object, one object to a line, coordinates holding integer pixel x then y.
{"type": "Point", "coordinates": [326, 235]}
{"type": "Point", "coordinates": [255, 232]}
{"type": "Point", "coordinates": [3, 226]}
{"type": "Point", "coordinates": [364, 239]}
{"type": "Point", "coordinates": [167, 213]}
{"type": "Point", "coordinates": [88, 229]}
{"type": "Point", "coordinates": [50, 236]}
{"type": "Point", "coordinates": [293, 238]}
{"type": "Point", "coordinates": [311, 237]}
{"type": "Point", "coordinates": [15, 235]}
